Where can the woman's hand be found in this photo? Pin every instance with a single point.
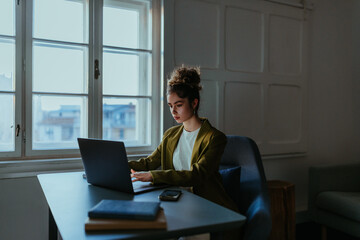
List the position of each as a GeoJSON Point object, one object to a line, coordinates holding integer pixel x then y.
{"type": "Point", "coordinates": [141, 176]}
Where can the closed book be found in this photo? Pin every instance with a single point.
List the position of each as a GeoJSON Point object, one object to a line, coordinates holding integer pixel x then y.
{"type": "Point", "coordinates": [124, 209]}
{"type": "Point", "coordinates": [96, 224]}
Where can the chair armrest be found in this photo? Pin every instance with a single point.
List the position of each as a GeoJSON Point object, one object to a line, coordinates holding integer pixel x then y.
{"type": "Point", "coordinates": [258, 223]}
{"type": "Point", "coordinates": [344, 178]}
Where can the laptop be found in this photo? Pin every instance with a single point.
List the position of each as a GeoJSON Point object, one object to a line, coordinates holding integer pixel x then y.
{"type": "Point", "coordinates": [106, 165]}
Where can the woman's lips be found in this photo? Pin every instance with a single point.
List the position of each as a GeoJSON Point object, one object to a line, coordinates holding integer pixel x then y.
{"type": "Point", "coordinates": [176, 118]}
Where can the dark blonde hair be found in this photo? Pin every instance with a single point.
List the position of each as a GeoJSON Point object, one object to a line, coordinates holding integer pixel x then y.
{"type": "Point", "coordinates": [185, 82]}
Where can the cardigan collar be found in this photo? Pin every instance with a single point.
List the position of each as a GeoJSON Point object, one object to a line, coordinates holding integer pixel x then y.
{"type": "Point", "coordinates": [172, 143]}
{"type": "Point", "coordinates": [205, 127]}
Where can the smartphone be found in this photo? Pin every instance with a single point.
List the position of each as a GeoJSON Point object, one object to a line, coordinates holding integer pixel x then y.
{"type": "Point", "coordinates": [170, 195]}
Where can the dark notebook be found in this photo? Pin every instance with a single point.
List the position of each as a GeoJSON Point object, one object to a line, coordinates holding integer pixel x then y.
{"type": "Point", "coordinates": [123, 209]}
{"type": "Point", "coordinates": [93, 224]}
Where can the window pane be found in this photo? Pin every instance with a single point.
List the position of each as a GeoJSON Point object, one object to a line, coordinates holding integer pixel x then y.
{"type": "Point", "coordinates": [58, 121]}
{"type": "Point", "coordinates": [7, 17]}
{"type": "Point", "coordinates": [126, 73]}
{"type": "Point", "coordinates": [63, 20]}
{"type": "Point", "coordinates": [59, 68]}
{"type": "Point", "coordinates": [7, 65]}
{"type": "Point", "coordinates": [132, 24]}
{"type": "Point", "coordinates": [127, 120]}
{"type": "Point", "coordinates": [7, 122]}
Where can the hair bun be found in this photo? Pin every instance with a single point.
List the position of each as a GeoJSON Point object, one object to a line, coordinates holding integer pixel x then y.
{"type": "Point", "coordinates": [186, 75]}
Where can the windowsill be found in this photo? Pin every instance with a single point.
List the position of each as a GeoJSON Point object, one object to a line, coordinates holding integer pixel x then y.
{"type": "Point", "coordinates": [31, 168]}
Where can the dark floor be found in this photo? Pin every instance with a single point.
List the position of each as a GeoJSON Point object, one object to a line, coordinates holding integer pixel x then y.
{"type": "Point", "coordinates": [312, 231]}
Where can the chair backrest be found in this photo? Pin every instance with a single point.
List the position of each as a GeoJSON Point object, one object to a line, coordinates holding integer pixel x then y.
{"type": "Point", "coordinates": [254, 197]}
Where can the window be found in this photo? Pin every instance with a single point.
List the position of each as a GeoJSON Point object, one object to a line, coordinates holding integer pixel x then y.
{"type": "Point", "coordinates": [78, 68]}
{"type": "Point", "coordinates": [59, 95]}
{"type": "Point", "coordinates": [9, 98]}
{"type": "Point", "coordinates": [127, 70]}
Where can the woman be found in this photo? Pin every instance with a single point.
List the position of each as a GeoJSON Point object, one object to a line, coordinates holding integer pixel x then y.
{"type": "Point", "coordinates": [190, 153]}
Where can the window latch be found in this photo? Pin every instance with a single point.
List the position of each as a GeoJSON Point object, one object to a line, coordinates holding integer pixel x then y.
{"type": "Point", "coordinates": [17, 130]}
{"type": "Point", "coordinates": [97, 70]}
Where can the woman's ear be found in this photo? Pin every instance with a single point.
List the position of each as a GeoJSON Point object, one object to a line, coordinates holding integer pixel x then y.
{"type": "Point", "coordinates": [194, 103]}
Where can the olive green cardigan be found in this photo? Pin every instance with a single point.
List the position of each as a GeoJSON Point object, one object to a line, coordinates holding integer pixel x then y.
{"type": "Point", "coordinates": [203, 176]}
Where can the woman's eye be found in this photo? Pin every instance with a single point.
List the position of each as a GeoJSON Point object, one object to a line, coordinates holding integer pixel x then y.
{"type": "Point", "coordinates": [178, 105]}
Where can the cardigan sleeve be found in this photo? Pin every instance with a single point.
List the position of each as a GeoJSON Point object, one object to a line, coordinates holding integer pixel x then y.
{"type": "Point", "coordinates": [207, 163]}
{"type": "Point", "coordinates": [151, 162]}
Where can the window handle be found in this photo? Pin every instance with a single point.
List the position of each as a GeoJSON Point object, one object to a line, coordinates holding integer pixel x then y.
{"type": "Point", "coordinates": [17, 130]}
{"type": "Point", "coordinates": [97, 70]}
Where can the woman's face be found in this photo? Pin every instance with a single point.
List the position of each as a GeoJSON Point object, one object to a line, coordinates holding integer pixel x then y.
{"type": "Point", "coordinates": [180, 108]}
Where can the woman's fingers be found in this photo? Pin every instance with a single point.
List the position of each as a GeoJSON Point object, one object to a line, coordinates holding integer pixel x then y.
{"type": "Point", "coordinates": [135, 180]}
{"type": "Point", "coordinates": [141, 176]}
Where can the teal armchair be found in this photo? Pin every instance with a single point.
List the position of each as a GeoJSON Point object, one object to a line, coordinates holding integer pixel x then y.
{"type": "Point", "coordinates": [253, 201]}
{"type": "Point", "coordinates": [334, 197]}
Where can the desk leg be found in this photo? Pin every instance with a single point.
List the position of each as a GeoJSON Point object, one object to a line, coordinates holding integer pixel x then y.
{"type": "Point", "coordinates": [53, 231]}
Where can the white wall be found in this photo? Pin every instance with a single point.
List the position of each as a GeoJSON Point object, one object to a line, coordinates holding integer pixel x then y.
{"type": "Point", "coordinates": [333, 132]}
{"type": "Point", "coordinates": [356, 70]}
{"type": "Point", "coordinates": [23, 210]}
{"type": "Point", "coordinates": [333, 95]}
{"type": "Point", "coordinates": [333, 120]}
{"type": "Point", "coordinates": [253, 57]}
{"type": "Point", "coordinates": [331, 86]}
{"type": "Point", "coordinates": [333, 89]}
{"type": "Point", "coordinates": [333, 106]}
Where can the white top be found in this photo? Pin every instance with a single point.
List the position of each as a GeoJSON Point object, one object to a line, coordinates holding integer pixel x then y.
{"type": "Point", "coordinates": [183, 150]}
